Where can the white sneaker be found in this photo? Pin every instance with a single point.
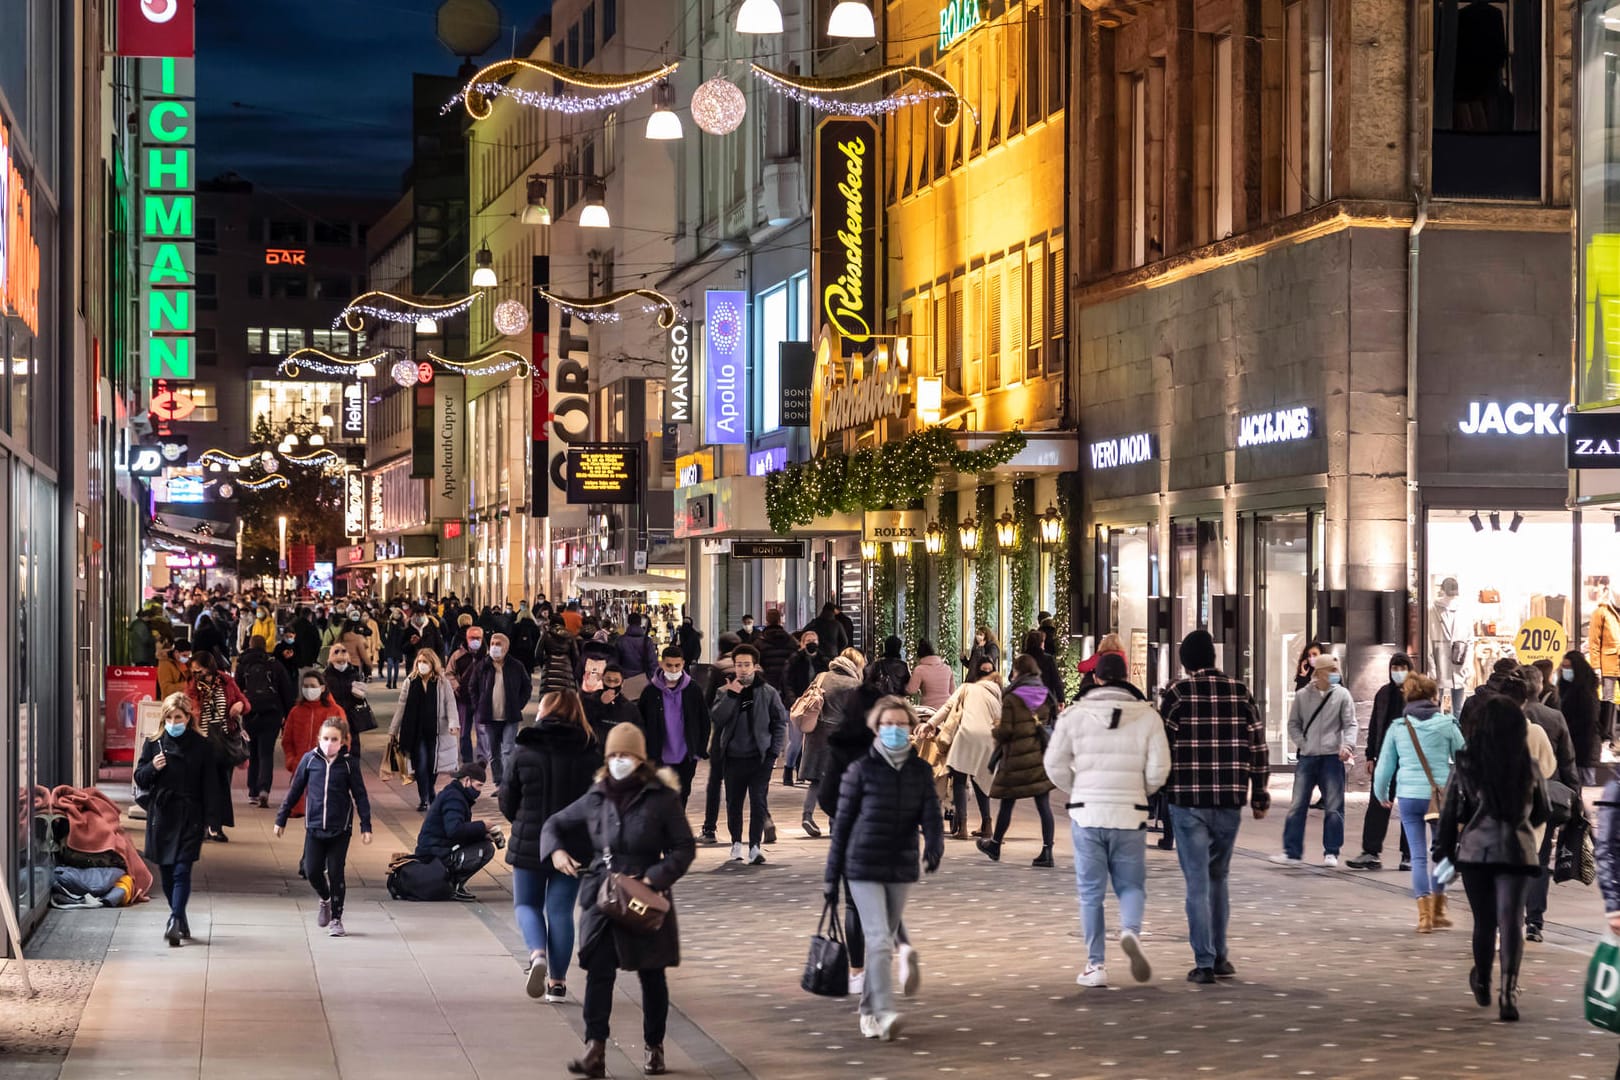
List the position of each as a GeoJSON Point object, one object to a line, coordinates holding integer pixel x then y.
{"type": "Point", "coordinates": [756, 857]}
{"type": "Point", "coordinates": [910, 973]}
{"type": "Point", "coordinates": [736, 853]}
{"type": "Point", "coordinates": [1330, 861]}
{"type": "Point", "coordinates": [1287, 860]}
{"type": "Point", "coordinates": [869, 1027]}
{"type": "Point", "coordinates": [888, 1026]}
{"type": "Point", "coordinates": [1141, 970]}
{"type": "Point", "coordinates": [1094, 975]}
{"type": "Point", "coordinates": [857, 982]}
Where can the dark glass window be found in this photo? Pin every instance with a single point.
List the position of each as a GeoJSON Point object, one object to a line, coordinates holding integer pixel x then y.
{"type": "Point", "coordinates": [610, 20]}
{"type": "Point", "coordinates": [335, 234]}
{"type": "Point", "coordinates": [289, 287]}
{"type": "Point", "coordinates": [1487, 99]}
{"type": "Point", "coordinates": [286, 233]}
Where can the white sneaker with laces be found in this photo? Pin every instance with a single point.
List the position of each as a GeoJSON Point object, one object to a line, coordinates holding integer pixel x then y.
{"type": "Point", "coordinates": [1095, 975]}
{"type": "Point", "coordinates": [857, 982]}
{"type": "Point", "coordinates": [1131, 943]}
{"type": "Point", "coordinates": [888, 1026]}
{"type": "Point", "coordinates": [869, 1027]}
{"type": "Point", "coordinates": [1330, 861]}
{"type": "Point", "coordinates": [1287, 860]}
{"type": "Point", "coordinates": [910, 973]}
{"type": "Point", "coordinates": [736, 853]}
{"type": "Point", "coordinates": [756, 857]}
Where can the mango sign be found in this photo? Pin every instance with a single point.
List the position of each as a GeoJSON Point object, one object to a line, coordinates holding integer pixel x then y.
{"type": "Point", "coordinates": [167, 219]}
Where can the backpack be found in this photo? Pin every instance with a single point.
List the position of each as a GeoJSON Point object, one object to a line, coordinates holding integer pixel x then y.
{"type": "Point", "coordinates": [260, 687]}
{"type": "Point", "coordinates": [410, 878]}
{"type": "Point", "coordinates": [806, 711]}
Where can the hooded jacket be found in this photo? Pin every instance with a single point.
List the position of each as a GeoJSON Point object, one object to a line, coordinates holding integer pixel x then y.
{"type": "Point", "coordinates": [337, 794]}
{"type": "Point", "coordinates": [776, 648]}
{"type": "Point", "coordinates": [553, 765]}
{"type": "Point", "coordinates": [696, 719]}
{"type": "Point", "coordinates": [1109, 752]}
{"type": "Point", "coordinates": [768, 717]}
{"type": "Point", "coordinates": [1389, 704]}
{"type": "Point", "coordinates": [1020, 772]}
{"type": "Point", "coordinates": [560, 661]}
{"type": "Point", "coordinates": [449, 823]}
{"type": "Point", "coordinates": [1440, 738]}
{"type": "Point", "coordinates": [637, 653]}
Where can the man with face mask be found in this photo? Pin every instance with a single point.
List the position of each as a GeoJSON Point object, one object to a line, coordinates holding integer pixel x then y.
{"type": "Point", "coordinates": [463, 671]}
{"type": "Point", "coordinates": [1322, 724]}
{"type": "Point", "coordinates": [747, 633]}
{"type": "Point", "coordinates": [802, 669]}
{"type": "Point", "coordinates": [307, 636]}
{"type": "Point", "coordinates": [675, 719]}
{"type": "Point", "coordinates": [423, 634]}
{"type": "Point", "coordinates": [451, 836]}
{"type": "Point", "coordinates": [607, 706]}
{"type": "Point", "coordinates": [750, 732]}
{"type": "Point", "coordinates": [1389, 705]}
{"type": "Point", "coordinates": [500, 689]}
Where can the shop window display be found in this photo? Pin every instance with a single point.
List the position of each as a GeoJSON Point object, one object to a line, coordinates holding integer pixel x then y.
{"type": "Point", "coordinates": [1486, 579]}
{"type": "Point", "coordinates": [1127, 570]}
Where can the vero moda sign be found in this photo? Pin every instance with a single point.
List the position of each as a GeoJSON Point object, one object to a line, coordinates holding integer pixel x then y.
{"type": "Point", "coordinates": [157, 28]}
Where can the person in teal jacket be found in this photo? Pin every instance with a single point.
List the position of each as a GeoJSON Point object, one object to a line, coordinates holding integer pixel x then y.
{"type": "Point", "coordinates": [1440, 738]}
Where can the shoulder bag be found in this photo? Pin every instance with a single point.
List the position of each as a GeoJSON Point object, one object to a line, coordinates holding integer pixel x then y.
{"type": "Point", "coordinates": [806, 711]}
{"type": "Point", "coordinates": [826, 971]}
{"type": "Point", "coordinates": [1433, 812]}
{"type": "Point", "coordinates": [630, 902]}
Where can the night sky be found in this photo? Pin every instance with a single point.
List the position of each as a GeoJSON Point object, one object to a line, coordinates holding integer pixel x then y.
{"type": "Point", "coordinates": [322, 87]}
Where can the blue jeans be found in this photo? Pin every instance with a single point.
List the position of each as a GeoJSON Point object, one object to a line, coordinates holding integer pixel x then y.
{"type": "Point", "coordinates": [391, 670]}
{"type": "Point", "coordinates": [1419, 834]}
{"type": "Point", "coordinates": [502, 738]}
{"type": "Point", "coordinates": [544, 903]}
{"type": "Point", "coordinates": [1205, 836]}
{"type": "Point", "coordinates": [1316, 771]}
{"type": "Point", "coordinates": [424, 759]}
{"type": "Point", "coordinates": [176, 878]}
{"type": "Point", "coordinates": [1101, 854]}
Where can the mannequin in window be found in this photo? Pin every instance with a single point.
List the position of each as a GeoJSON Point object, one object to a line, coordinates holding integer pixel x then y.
{"type": "Point", "coordinates": [1603, 653]}
{"type": "Point", "coordinates": [1481, 100]}
{"type": "Point", "coordinates": [1448, 646]}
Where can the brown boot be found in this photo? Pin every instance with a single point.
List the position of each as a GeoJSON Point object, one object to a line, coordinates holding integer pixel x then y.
{"type": "Point", "coordinates": [1425, 922]}
{"type": "Point", "coordinates": [1437, 909]}
{"type": "Point", "coordinates": [594, 1061]}
{"type": "Point", "coordinates": [655, 1061]}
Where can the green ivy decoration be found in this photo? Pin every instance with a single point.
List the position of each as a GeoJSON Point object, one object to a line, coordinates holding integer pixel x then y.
{"type": "Point", "coordinates": [986, 587]}
{"type": "Point", "coordinates": [1069, 654]}
{"type": "Point", "coordinates": [947, 640]}
{"type": "Point", "coordinates": [1022, 565]}
{"type": "Point", "coordinates": [873, 478]}
{"type": "Point", "coordinates": [883, 586]}
{"type": "Point", "coordinates": [913, 600]}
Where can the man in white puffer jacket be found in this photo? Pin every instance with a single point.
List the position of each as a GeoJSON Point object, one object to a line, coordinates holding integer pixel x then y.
{"type": "Point", "coordinates": [1109, 752]}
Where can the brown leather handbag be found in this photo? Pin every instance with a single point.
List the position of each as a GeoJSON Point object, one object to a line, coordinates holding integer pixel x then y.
{"type": "Point", "coordinates": [631, 902]}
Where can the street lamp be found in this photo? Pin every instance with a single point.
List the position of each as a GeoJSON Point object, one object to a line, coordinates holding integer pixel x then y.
{"type": "Point", "coordinates": [869, 550]}
{"type": "Point", "coordinates": [536, 212]}
{"type": "Point", "coordinates": [968, 534]}
{"type": "Point", "coordinates": [664, 125]}
{"type": "Point", "coordinates": [1006, 533]}
{"type": "Point", "coordinates": [1051, 532]}
{"type": "Point", "coordinates": [595, 214]}
{"type": "Point", "coordinates": [484, 277]}
{"type": "Point", "coordinates": [281, 564]}
{"type": "Point", "coordinates": [759, 17]}
{"type": "Point", "coordinates": [851, 19]}
{"type": "Point", "coordinates": [900, 548]}
{"type": "Point", "coordinates": [933, 538]}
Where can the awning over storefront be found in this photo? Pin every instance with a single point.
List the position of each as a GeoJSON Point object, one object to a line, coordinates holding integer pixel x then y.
{"type": "Point", "coordinates": [632, 583]}
{"type": "Point", "coordinates": [1043, 452]}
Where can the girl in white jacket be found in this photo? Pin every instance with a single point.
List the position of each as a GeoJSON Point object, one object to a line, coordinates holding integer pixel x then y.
{"type": "Point", "coordinates": [1109, 752]}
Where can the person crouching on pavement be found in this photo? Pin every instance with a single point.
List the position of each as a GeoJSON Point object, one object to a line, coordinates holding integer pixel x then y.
{"type": "Point", "coordinates": [452, 836]}
{"type": "Point", "coordinates": [635, 824]}
{"type": "Point", "coordinates": [884, 800]}
{"type": "Point", "coordinates": [337, 794]}
{"type": "Point", "coordinates": [1109, 752]}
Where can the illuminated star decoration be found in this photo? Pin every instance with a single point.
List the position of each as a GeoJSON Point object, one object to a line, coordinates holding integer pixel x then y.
{"type": "Point", "coordinates": [718, 107]}
{"type": "Point", "coordinates": [725, 326]}
{"type": "Point", "coordinates": [490, 363]}
{"type": "Point", "coordinates": [826, 95]}
{"type": "Point", "coordinates": [397, 309]}
{"type": "Point", "coordinates": [597, 308]}
{"type": "Point", "coordinates": [608, 89]}
{"type": "Point", "coordinates": [404, 372]}
{"type": "Point", "coordinates": [300, 360]}
{"type": "Point", "coordinates": [511, 317]}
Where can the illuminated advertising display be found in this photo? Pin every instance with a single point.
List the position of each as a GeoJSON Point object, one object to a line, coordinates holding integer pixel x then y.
{"type": "Point", "coordinates": [354, 410]}
{"type": "Point", "coordinates": [678, 387]}
{"type": "Point", "coordinates": [449, 447]}
{"type": "Point", "coordinates": [847, 273]}
{"type": "Point", "coordinates": [354, 502]}
{"type": "Point", "coordinates": [166, 218]}
{"type": "Point", "coordinates": [19, 251]}
{"type": "Point", "coordinates": [725, 366]}
{"type": "Point", "coordinates": [604, 473]}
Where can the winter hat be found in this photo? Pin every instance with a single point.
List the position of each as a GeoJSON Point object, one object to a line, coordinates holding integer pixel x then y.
{"type": "Point", "coordinates": [473, 770]}
{"type": "Point", "coordinates": [626, 739]}
{"type": "Point", "coordinates": [1326, 660]}
{"type": "Point", "coordinates": [1111, 667]}
{"type": "Point", "coordinates": [1198, 651]}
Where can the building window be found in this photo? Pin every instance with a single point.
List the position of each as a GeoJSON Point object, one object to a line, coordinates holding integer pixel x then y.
{"type": "Point", "coordinates": [286, 234]}
{"type": "Point", "coordinates": [332, 288]}
{"type": "Point", "coordinates": [610, 20]}
{"type": "Point", "coordinates": [334, 234]}
{"type": "Point", "coordinates": [953, 336]}
{"type": "Point", "coordinates": [992, 326]}
{"type": "Point", "coordinates": [1221, 133]}
{"type": "Point", "coordinates": [573, 45]}
{"type": "Point", "coordinates": [1011, 52]}
{"type": "Point", "coordinates": [588, 34]}
{"type": "Point", "coordinates": [255, 340]}
{"type": "Point", "coordinates": [1304, 30]}
{"type": "Point", "coordinates": [255, 286]}
{"type": "Point", "coordinates": [942, 348]}
{"type": "Point", "coordinates": [207, 292]}
{"type": "Point", "coordinates": [773, 329]}
{"type": "Point", "coordinates": [207, 236]}
{"type": "Point", "coordinates": [1012, 318]}
{"type": "Point", "coordinates": [1034, 17]}
{"type": "Point", "coordinates": [1487, 98]}
{"type": "Point", "coordinates": [1057, 306]}
{"type": "Point", "coordinates": [1598, 210]}
{"type": "Point", "coordinates": [1035, 313]}
{"type": "Point", "coordinates": [1056, 52]}
{"type": "Point", "coordinates": [1138, 180]}
{"type": "Point", "coordinates": [289, 287]}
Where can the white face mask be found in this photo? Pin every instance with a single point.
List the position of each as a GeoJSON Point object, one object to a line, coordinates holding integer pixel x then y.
{"type": "Point", "coordinates": [341, 665]}
{"type": "Point", "coordinates": [620, 767]}
{"type": "Point", "coordinates": [474, 644]}
{"type": "Point", "coordinates": [312, 693]}
{"type": "Point", "coordinates": [496, 652]}
{"type": "Point", "coordinates": [424, 669]}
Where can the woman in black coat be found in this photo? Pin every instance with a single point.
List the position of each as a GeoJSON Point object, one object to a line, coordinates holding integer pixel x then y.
{"type": "Point", "coordinates": [176, 768]}
{"type": "Point", "coordinates": [1578, 701]}
{"type": "Point", "coordinates": [635, 812]}
{"type": "Point", "coordinates": [885, 799]}
{"type": "Point", "coordinates": [554, 764]}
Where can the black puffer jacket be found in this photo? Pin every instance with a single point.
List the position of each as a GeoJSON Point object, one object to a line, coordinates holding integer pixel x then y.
{"type": "Point", "coordinates": [848, 743]}
{"type": "Point", "coordinates": [776, 647]}
{"type": "Point", "coordinates": [559, 658]}
{"type": "Point", "coordinates": [880, 811]}
{"type": "Point", "coordinates": [1389, 705]}
{"type": "Point", "coordinates": [554, 765]}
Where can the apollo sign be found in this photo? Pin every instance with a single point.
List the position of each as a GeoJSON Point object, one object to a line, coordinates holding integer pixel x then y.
{"type": "Point", "coordinates": [1513, 418]}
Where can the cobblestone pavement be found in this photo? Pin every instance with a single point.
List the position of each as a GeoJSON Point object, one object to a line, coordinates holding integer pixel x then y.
{"type": "Point", "coordinates": [1332, 980]}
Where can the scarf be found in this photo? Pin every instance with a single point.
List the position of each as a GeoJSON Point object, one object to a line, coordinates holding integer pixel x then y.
{"type": "Point", "coordinates": [895, 758]}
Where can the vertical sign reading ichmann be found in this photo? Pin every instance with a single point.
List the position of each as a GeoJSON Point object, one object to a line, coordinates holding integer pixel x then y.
{"type": "Point", "coordinates": [449, 500]}
{"type": "Point", "coordinates": [166, 218]}
{"type": "Point", "coordinates": [848, 267]}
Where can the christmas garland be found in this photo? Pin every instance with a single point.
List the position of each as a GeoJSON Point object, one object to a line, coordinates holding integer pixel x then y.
{"type": "Point", "coordinates": [1069, 653]}
{"type": "Point", "coordinates": [913, 606]}
{"type": "Point", "coordinates": [947, 640]}
{"type": "Point", "coordinates": [883, 585]}
{"type": "Point", "coordinates": [873, 478]}
{"type": "Point", "coordinates": [1022, 565]}
{"type": "Point", "coordinates": [986, 578]}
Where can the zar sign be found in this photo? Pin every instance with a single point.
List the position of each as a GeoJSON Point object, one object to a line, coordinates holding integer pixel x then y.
{"type": "Point", "coordinates": [847, 265]}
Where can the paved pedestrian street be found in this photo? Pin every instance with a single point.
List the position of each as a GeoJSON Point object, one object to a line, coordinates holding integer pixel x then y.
{"type": "Point", "coordinates": [1332, 982]}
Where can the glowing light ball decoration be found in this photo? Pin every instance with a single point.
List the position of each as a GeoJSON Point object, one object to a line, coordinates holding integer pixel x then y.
{"type": "Point", "coordinates": [511, 317]}
{"type": "Point", "coordinates": [404, 372]}
{"type": "Point", "coordinates": [718, 106]}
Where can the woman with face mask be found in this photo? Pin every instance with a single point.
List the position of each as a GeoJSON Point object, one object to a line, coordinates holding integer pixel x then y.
{"type": "Point", "coordinates": [219, 705]}
{"type": "Point", "coordinates": [884, 800]}
{"type": "Point", "coordinates": [634, 812]}
{"type": "Point", "coordinates": [337, 794]}
{"type": "Point", "coordinates": [427, 715]}
{"type": "Point", "coordinates": [176, 767]}
{"type": "Point", "coordinates": [1578, 701]}
{"type": "Point", "coordinates": [301, 733]}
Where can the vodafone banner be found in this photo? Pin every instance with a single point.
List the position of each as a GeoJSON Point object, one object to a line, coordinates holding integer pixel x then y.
{"type": "Point", "coordinates": [157, 28]}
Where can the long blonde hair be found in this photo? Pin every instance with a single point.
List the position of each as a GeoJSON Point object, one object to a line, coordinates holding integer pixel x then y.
{"type": "Point", "coordinates": [432, 658]}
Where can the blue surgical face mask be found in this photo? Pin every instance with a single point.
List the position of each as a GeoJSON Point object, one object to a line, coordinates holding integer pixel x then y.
{"type": "Point", "coordinates": [175, 730]}
{"type": "Point", "coordinates": [1398, 676]}
{"type": "Point", "coordinates": [1567, 674]}
{"type": "Point", "coordinates": [1334, 678]}
{"type": "Point", "coordinates": [894, 738]}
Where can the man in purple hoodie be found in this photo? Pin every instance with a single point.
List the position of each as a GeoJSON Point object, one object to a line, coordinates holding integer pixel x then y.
{"type": "Point", "coordinates": [675, 719]}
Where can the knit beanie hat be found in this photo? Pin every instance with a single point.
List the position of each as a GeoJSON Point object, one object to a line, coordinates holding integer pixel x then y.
{"type": "Point", "coordinates": [1111, 667]}
{"type": "Point", "coordinates": [626, 739]}
{"type": "Point", "coordinates": [1198, 651]}
{"type": "Point", "coordinates": [473, 770]}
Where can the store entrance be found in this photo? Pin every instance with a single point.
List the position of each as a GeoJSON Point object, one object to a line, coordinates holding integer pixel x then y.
{"type": "Point", "coordinates": [1287, 563]}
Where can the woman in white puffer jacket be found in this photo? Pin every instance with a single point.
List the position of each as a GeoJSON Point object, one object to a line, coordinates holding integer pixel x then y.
{"type": "Point", "coordinates": [1109, 752]}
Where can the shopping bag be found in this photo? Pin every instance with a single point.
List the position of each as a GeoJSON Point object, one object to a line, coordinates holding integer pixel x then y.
{"type": "Point", "coordinates": [1603, 985]}
{"type": "Point", "coordinates": [826, 972]}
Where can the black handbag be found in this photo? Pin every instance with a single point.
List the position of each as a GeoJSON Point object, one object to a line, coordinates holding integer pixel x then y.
{"type": "Point", "coordinates": [826, 971]}
{"type": "Point", "coordinates": [361, 718]}
{"type": "Point", "coordinates": [1561, 800]}
{"type": "Point", "coordinates": [228, 745]}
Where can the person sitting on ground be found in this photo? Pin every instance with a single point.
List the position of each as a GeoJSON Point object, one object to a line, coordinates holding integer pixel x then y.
{"type": "Point", "coordinates": [452, 836]}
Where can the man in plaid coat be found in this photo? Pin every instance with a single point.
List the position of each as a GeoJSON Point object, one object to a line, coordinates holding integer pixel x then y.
{"type": "Point", "coordinates": [1218, 762]}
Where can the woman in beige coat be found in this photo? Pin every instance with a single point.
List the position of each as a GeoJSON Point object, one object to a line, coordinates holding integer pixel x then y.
{"type": "Point", "coordinates": [965, 727]}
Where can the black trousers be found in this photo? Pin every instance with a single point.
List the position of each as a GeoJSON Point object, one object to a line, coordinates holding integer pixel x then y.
{"type": "Point", "coordinates": [323, 862]}
{"type": "Point", "coordinates": [959, 786]}
{"type": "Point", "coordinates": [1375, 827]}
{"type": "Point", "coordinates": [465, 861]}
{"type": "Point", "coordinates": [686, 770]}
{"type": "Point", "coordinates": [713, 793]}
{"type": "Point", "coordinates": [1497, 900]}
{"type": "Point", "coordinates": [262, 729]}
{"type": "Point", "coordinates": [1043, 807]}
{"type": "Point", "coordinates": [1535, 899]}
{"type": "Point", "coordinates": [600, 975]}
{"type": "Point", "coordinates": [747, 778]}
